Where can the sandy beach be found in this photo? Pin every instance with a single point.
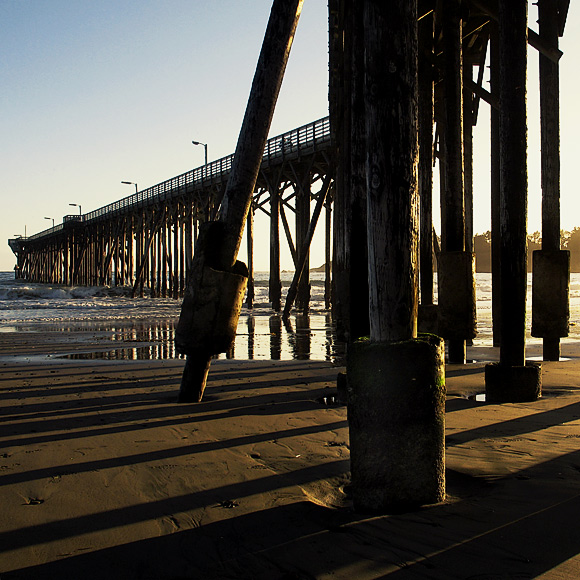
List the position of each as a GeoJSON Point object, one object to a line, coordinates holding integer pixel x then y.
{"type": "Point", "coordinates": [104, 475]}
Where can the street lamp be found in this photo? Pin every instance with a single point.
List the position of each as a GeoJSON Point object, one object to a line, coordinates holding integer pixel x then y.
{"type": "Point", "coordinates": [49, 218]}
{"type": "Point", "coordinates": [204, 147]}
{"type": "Point", "coordinates": [130, 183]}
{"type": "Point", "coordinates": [77, 205]}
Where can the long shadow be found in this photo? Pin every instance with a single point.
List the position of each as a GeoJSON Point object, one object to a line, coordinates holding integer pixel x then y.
{"type": "Point", "coordinates": [151, 456]}
{"type": "Point", "coordinates": [252, 368]}
{"type": "Point", "coordinates": [519, 425]}
{"type": "Point", "coordinates": [145, 418]}
{"type": "Point", "coordinates": [42, 533]}
{"type": "Point", "coordinates": [119, 382]}
{"type": "Point", "coordinates": [67, 407]}
{"type": "Point", "coordinates": [307, 541]}
{"type": "Point", "coordinates": [111, 380]}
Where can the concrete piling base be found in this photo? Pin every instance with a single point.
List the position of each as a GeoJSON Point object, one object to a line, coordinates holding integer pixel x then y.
{"type": "Point", "coordinates": [513, 384]}
{"type": "Point", "coordinates": [396, 414]}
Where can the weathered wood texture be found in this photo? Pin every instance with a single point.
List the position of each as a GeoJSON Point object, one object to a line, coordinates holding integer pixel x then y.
{"type": "Point", "coordinates": [514, 178]}
{"type": "Point", "coordinates": [356, 239]}
{"type": "Point", "coordinates": [391, 47]}
{"type": "Point", "coordinates": [219, 252]}
{"type": "Point", "coordinates": [453, 227]}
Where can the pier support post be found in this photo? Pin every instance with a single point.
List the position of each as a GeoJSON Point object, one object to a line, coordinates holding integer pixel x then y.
{"type": "Point", "coordinates": [250, 248]}
{"type": "Point", "coordinates": [217, 249]}
{"type": "Point", "coordinates": [550, 310]}
{"type": "Point", "coordinates": [550, 296]}
{"type": "Point", "coordinates": [328, 255]}
{"type": "Point", "coordinates": [511, 379]}
{"type": "Point", "coordinates": [395, 380]}
{"type": "Point", "coordinates": [275, 284]}
{"type": "Point", "coordinates": [339, 13]}
{"type": "Point", "coordinates": [495, 188]}
{"type": "Point", "coordinates": [303, 195]}
{"type": "Point", "coordinates": [453, 224]}
{"type": "Point", "coordinates": [356, 195]}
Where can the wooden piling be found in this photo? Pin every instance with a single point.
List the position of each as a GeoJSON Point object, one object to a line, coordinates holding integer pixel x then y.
{"type": "Point", "coordinates": [551, 273]}
{"type": "Point", "coordinates": [328, 255]}
{"type": "Point", "coordinates": [514, 179]}
{"type": "Point", "coordinates": [453, 226]}
{"type": "Point", "coordinates": [392, 154]}
{"type": "Point", "coordinates": [275, 284]}
{"type": "Point", "coordinates": [495, 180]}
{"type": "Point", "coordinates": [512, 379]}
{"type": "Point", "coordinates": [250, 251]}
{"type": "Point", "coordinates": [219, 253]}
{"type": "Point", "coordinates": [338, 11]}
{"type": "Point", "coordinates": [396, 457]}
{"type": "Point", "coordinates": [468, 116]}
{"type": "Point", "coordinates": [302, 223]}
{"type": "Point", "coordinates": [356, 236]}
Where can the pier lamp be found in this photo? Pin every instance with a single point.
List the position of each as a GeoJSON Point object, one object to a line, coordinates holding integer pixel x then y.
{"type": "Point", "coordinates": [49, 218]}
{"type": "Point", "coordinates": [204, 147]}
{"type": "Point", "coordinates": [79, 206]}
{"type": "Point", "coordinates": [130, 183]}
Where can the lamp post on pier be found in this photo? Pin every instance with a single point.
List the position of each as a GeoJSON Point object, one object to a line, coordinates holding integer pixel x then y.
{"type": "Point", "coordinates": [49, 218]}
{"type": "Point", "coordinates": [131, 183]}
{"type": "Point", "coordinates": [79, 206]}
{"type": "Point", "coordinates": [204, 147]}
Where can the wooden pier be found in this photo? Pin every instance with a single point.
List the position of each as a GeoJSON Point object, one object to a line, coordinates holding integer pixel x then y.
{"type": "Point", "coordinates": [147, 240]}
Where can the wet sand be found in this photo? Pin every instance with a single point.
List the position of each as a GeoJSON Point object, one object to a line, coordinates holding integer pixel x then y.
{"type": "Point", "coordinates": [104, 475]}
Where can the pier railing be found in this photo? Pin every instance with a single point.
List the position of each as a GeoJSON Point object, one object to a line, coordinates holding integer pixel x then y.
{"type": "Point", "coordinates": [291, 144]}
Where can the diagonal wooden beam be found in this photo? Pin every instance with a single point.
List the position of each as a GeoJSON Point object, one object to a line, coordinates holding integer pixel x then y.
{"type": "Point", "coordinates": [293, 290]}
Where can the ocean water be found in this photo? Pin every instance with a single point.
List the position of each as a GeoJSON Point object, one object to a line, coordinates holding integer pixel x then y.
{"type": "Point", "coordinates": [148, 323]}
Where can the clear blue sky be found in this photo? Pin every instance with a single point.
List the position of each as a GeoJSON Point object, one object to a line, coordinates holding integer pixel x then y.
{"type": "Point", "coordinates": [96, 92]}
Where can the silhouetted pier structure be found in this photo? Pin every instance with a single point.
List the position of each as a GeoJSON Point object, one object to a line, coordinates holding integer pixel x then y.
{"type": "Point", "coordinates": [147, 239]}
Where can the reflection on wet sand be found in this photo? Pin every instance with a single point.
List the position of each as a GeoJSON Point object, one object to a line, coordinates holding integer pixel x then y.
{"type": "Point", "coordinates": [302, 337]}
